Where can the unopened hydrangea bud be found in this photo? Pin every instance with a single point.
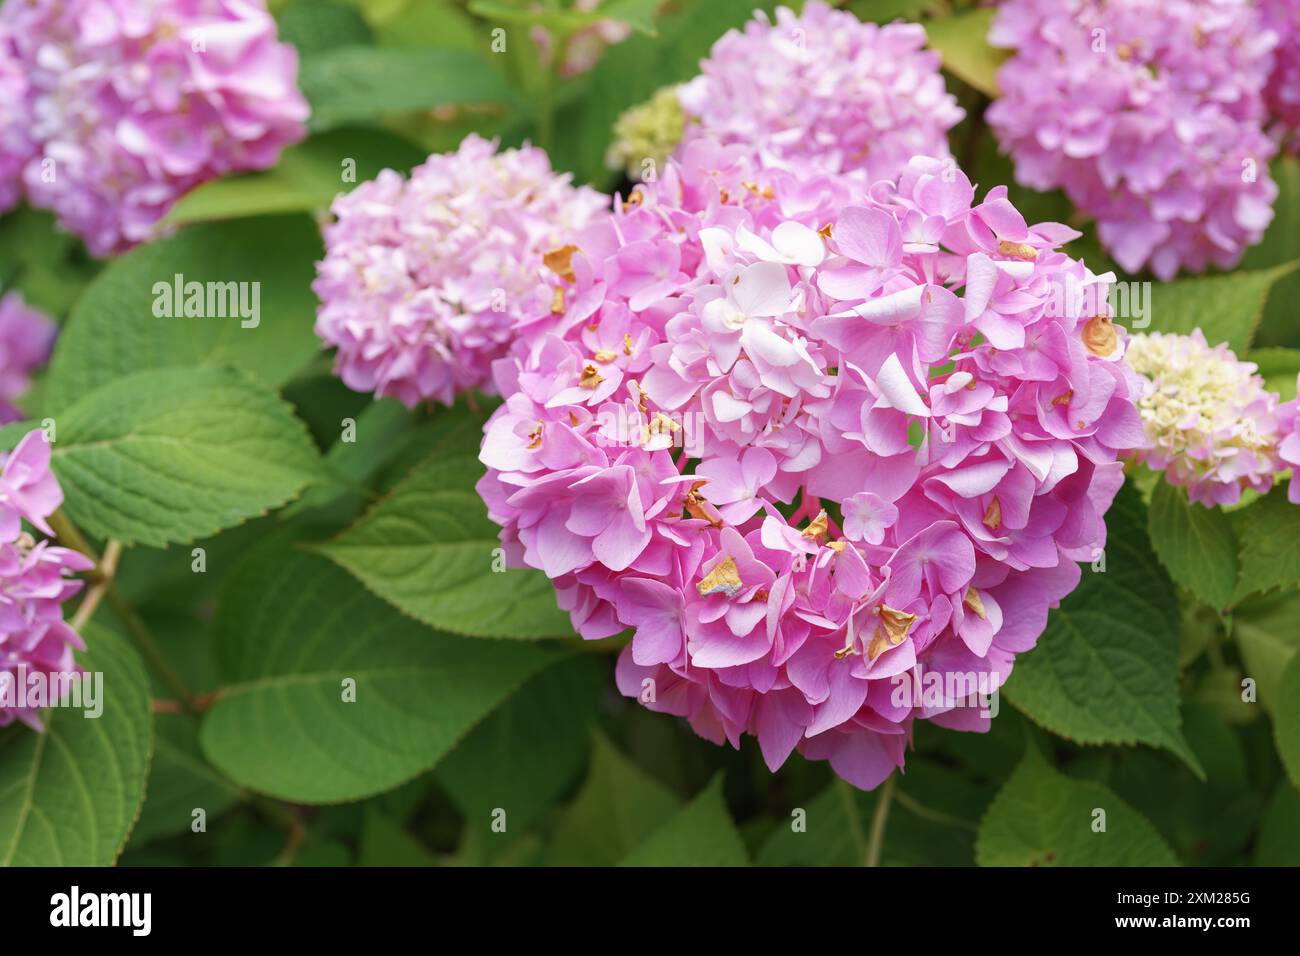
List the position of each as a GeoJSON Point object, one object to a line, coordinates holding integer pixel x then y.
{"type": "Point", "coordinates": [650, 131]}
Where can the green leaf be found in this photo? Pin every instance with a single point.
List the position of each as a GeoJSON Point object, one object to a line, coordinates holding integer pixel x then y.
{"type": "Point", "coordinates": [1277, 327]}
{"type": "Point", "coordinates": [638, 14]}
{"type": "Point", "coordinates": [1106, 668]}
{"type": "Point", "coordinates": [931, 822]}
{"type": "Point", "coordinates": [1286, 719]}
{"type": "Point", "coordinates": [1270, 543]}
{"type": "Point", "coordinates": [1279, 367]}
{"type": "Point", "coordinates": [1205, 822]}
{"type": "Point", "coordinates": [171, 455]}
{"type": "Point", "coordinates": [430, 549]}
{"type": "Point", "coordinates": [69, 796]}
{"type": "Point", "coordinates": [313, 25]}
{"type": "Point", "coordinates": [700, 834]}
{"type": "Point", "coordinates": [384, 843]}
{"type": "Point", "coordinates": [432, 23]}
{"type": "Point", "coordinates": [1042, 818]}
{"type": "Point", "coordinates": [962, 43]}
{"type": "Point", "coordinates": [1195, 544]}
{"type": "Point", "coordinates": [180, 781]}
{"type": "Point", "coordinates": [527, 752]}
{"type": "Point", "coordinates": [1227, 308]}
{"type": "Point", "coordinates": [48, 266]}
{"type": "Point", "coordinates": [376, 435]}
{"type": "Point", "coordinates": [356, 83]}
{"type": "Point", "coordinates": [618, 808]}
{"type": "Point", "coordinates": [290, 630]}
{"type": "Point", "coordinates": [1268, 635]}
{"type": "Point", "coordinates": [113, 330]}
{"type": "Point", "coordinates": [306, 179]}
{"type": "Point", "coordinates": [1279, 835]}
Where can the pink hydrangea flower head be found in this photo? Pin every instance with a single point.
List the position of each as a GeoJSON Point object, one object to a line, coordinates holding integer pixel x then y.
{"type": "Point", "coordinates": [1150, 115]}
{"type": "Point", "coordinates": [16, 147]}
{"type": "Point", "coordinates": [826, 90]}
{"type": "Point", "coordinates": [812, 440]}
{"type": "Point", "coordinates": [1288, 449]}
{"type": "Point", "coordinates": [26, 337]}
{"type": "Point", "coordinates": [1283, 91]}
{"type": "Point", "coordinates": [35, 642]}
{"type": "Point", "coordinates": [1211, 424]}
{"type": "Point", "coordinates": [135, 102]}
{"type": "Point", "coordinates": [424, 280]}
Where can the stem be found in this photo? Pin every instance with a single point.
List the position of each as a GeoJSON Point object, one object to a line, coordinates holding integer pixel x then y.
{"type": "Point", "coordinates": [849, 801]}
{"type": "Point", "coordinates": [878, 820]}
{"type": "Point", "coordinates": [934, 816]}
{"type": "Point", "coordinates": [147, 646]}
{"type": "Point", "coordinates": [102, 578]}
{"type": "Point", "coordinates": [103, 574]}
{"type": "Point", "coordinates": [293, 840]}
{"type": "Point", "coordinates": [71, 536]}
{"type": "Point", "coordinates": [188, 702]}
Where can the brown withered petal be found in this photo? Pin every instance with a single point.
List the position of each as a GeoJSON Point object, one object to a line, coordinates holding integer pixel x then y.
{"type": "Point", "coordinates": [724, 579]}
{"type": "Point", "coordinates": [560, 261]}
{"type": "Point", "coordinates": [1016, 250]}
{"type": "Point", "coordinates": [891, 631]}
{"type": "Point", "coordinates": [816, 529]}
{"type": "Point", "coordinates": [993, 516]}
{"type": "Point", "coordinates": [1099, 335]}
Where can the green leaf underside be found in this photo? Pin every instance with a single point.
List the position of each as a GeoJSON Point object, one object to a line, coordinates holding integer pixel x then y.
{"type": "Point", "coordinates": [1106, 668]}
{"type": "Point", "coordinates": [69, 796]}
{"type": "Point", "coordinates": [290, 629]}
{"type": "Point", "coordinates": [1043, 818]}
{"type": "Point", "coordinates": [171, 455]}
{"type": "Point", "coordinates": [429, 548]}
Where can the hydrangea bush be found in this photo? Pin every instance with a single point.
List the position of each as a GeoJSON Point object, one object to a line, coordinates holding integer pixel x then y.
{"type": "Point", "coordinates": [737, 422]}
